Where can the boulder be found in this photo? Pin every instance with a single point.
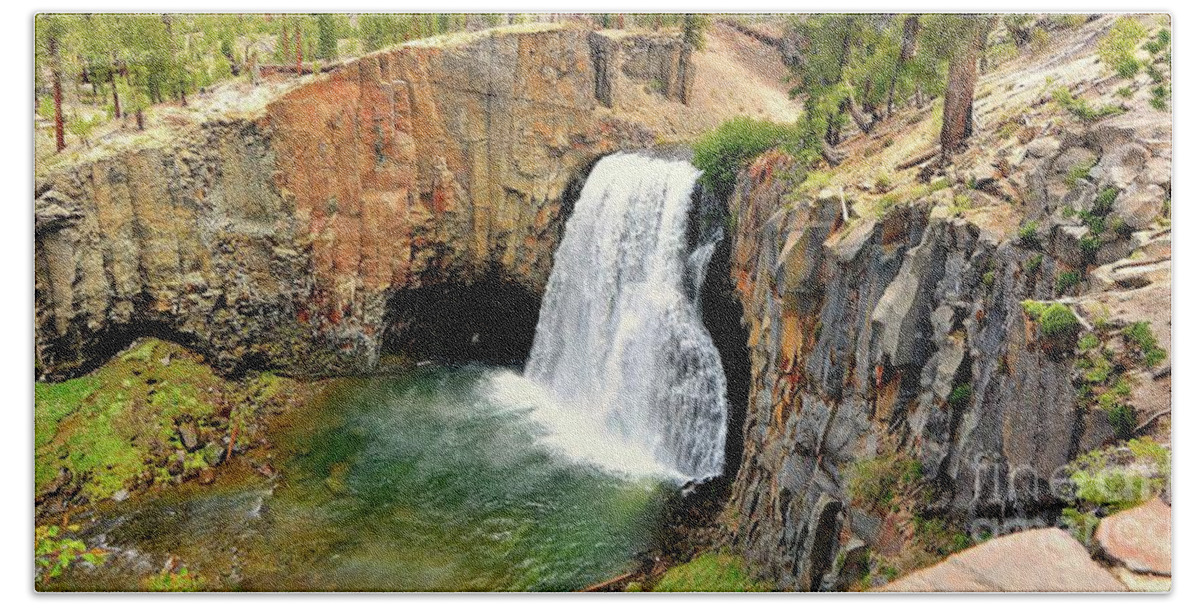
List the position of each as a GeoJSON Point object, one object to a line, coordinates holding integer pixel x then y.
{"type": "Point", "coordinates": [1042, 147]}
{"type": "Point", "coordinates": [1139, 538]}
{"type": "Point", "coordinates": [1046, 559]}
{"type": "Point", "coordinates": [1120, 167]}
{"type": "Point", "coordinates": [1139, 205]}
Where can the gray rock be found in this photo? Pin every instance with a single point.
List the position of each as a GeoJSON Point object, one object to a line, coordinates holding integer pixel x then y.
{"type": "Point", "coordinates": [1120, 167]}
{"type": "Point", "coordinates": [1042, 147]}
{"type": "Point", "coordinates": [1138, 206]}
{"type": "Point", "coordinates": [1072, 158]}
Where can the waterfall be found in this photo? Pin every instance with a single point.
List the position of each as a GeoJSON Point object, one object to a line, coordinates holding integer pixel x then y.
{"type": "Point", "coordinates": [620, 347]}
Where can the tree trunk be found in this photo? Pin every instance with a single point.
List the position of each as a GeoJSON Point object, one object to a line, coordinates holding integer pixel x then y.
{"type": "Point", "coordinates": [860, 119]}
{"type": "Point", "coordinates": [60, 138]}
{"type": "Point", "coordinates": [141, 121]}
{"type": "Point", "coordinates": [957, 115]}
{"type": "Point", "coordinates": [908, 50]}
{"type": "Point", "coordinates": [299, 52]}
{"type": "Point", "coordinates": [112, 80]}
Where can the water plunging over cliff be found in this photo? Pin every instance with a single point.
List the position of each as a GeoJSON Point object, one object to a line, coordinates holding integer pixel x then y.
{"type": "Point", "coordinates": [635, 380]}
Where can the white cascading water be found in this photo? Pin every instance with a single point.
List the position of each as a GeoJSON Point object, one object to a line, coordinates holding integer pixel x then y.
{"type": "Point", "coordinates": [626, 374]}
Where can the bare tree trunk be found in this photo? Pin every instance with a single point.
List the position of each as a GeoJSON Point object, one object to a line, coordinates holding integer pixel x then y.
{"type": "Point", "coordinates": [957, 113]}
{"type": "Point", "coordinates": [112, 80]}
{"type": "Point", "coordinates": [141, 121]}
{"type": "Point", "coordinates": [60, 138]}
{"type": "Point", "coordinates": [860, 119]}
{"type": "Point", "coordinates": [299, 52]}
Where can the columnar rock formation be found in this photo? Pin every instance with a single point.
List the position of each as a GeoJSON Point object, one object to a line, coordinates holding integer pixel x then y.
{"type": "Point", "coordinates": [903, 333]}
{"type": "Point", "coordinates": [277, 238]}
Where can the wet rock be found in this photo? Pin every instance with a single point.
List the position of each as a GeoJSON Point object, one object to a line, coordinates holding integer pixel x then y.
{"type": "Point", "coordinates": [189, 436]}
{"type": "Point", "coordinates": [1139, 538]}
{"type": "Point", "coordinates": [1044, 560]}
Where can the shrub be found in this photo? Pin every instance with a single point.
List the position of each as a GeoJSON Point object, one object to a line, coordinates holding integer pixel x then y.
{"type": "Point", "coordinates": [1089, 245]}
{"type": "Point", "coordinates": [1104, 201]}
{"type": "Point", "coordinates": [712, 572]}
{"type": "Point", "coordinates": [181, 581]}
{"type": "Point", "coordinates": [1027, 234]}
{"type": "Point", "coordinates": [1117, 47]}
{"type": "Point", "coordinates": [1081, 524]}
{"type": "Point", "coordinates": [1158, 98]}
{"type": "Point", "coordinates": [1033, 263]}
{"type": "Point", "coordinates": [1077, 173]}
{"type": "Point", "coordinates": [1081, 109]}
{"type": "Point", "coordinates": [1140, 336]}
{"type": "Point", "coordinates": [960, 395]}
{"type": "Point", "coordinates": [1067, 280]}
{"type": "Point", "coordinates": [726, 150]}
{"type": "Point", "coordinates": [1058, 320]}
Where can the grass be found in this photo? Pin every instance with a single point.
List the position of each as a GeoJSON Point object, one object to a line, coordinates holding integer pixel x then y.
{"type": "Point", "coordinates": [119, 426]}
{"type": "Point", "coordinates": [711, 572]}
{"type": "Point", "coordinates": [876, 482]}
{"type": "Point", "coordinates": [1027, 234]}
{"type": "Point", "coordinates": [1142, 339]}
{"type": "Point", "coordinates": [1067, 281]}
{"type": "Point", "coordinates": [1080, 108]}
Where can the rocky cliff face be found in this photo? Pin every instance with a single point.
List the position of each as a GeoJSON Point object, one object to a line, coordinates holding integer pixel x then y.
{"type": "Point", "coordinates": [900, 336]}
{"type": "Point", "coordinates": [278, 238]}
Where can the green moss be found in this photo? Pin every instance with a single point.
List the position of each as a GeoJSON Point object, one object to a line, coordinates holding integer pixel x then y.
{"type": "Point", "coordinates": [1067, 280]}
{"type": "Point", "coordinates": [116, 427]}
{"type": "Point", "coordinates": [1142, 339]}
{"type": "Point", "coordinates": [960, 395]}
{"type": "Point", "coordinates": [1027, 234]}
{"type": "Point", "coordinates": [876, 482]}
{"type": "Point", "coordinates": [713, 572]}
{"type": "Point", "coordinates": [1058, 320]}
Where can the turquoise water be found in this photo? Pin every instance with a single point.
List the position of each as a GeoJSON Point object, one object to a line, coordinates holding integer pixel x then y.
{"type": "Point", "coordinates": [422, 481]}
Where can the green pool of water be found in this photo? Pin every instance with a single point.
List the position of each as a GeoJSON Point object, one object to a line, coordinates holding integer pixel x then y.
{"type": "Point", "coordinates": [413, 482]}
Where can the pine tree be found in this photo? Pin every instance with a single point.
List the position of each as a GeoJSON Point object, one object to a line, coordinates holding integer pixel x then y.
{"type": "Point", "coordinates": [326, 37]}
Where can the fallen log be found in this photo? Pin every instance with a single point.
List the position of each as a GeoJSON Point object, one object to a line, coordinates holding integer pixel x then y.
{"type": "Point", "coordinates": [918, 159]}
{"type": "Point", "coordinates": [616, 580]}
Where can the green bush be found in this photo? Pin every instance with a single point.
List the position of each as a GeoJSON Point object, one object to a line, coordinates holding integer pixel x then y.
{"type": "Point", "coordinates": [726, 150]}
{"type": "Point", "coordinates": [1027, 234]}
{"type": "Point", "coordinates": [960, 395]}
{"type": "Point", "coordinates": [1117, 47]}
{"type": "Point", "coordinates": [1067, 280]}
{"type": "Point", "coordinates": [1081, 109]}
{"type": "Point", "coordinates": [1033, 263]}
{"type": "Point", "coordinates": [1140, 336]}
{"type": "Point", "coordinates": [1057, 320]}
{"type": "Point", "coordinates": [713, 572]}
